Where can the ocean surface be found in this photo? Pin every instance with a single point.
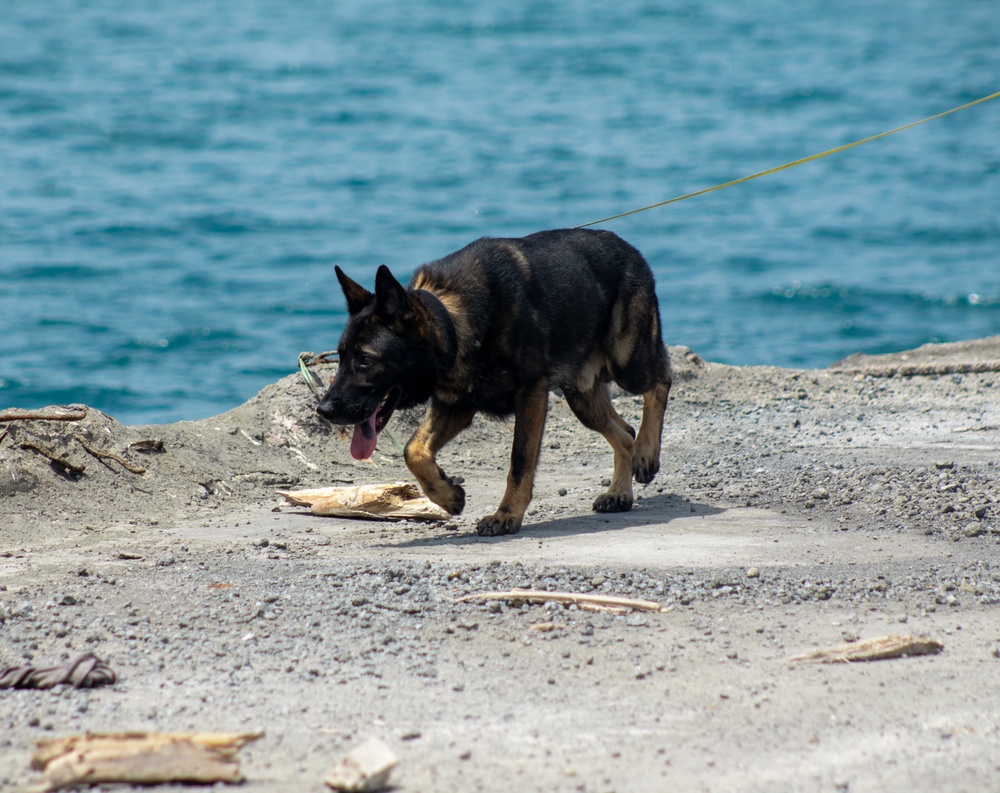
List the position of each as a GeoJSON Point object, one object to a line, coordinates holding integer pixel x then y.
{"type": "Point", "coordinates": [178, 179]}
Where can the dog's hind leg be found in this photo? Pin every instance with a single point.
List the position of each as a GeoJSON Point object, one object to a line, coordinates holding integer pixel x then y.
{"type": "Point", "coordinates": [529, 424]}
{"type": "Point", "coordinates": [594, 409]}
{"type": "Point", "coordinates": [439, 426]}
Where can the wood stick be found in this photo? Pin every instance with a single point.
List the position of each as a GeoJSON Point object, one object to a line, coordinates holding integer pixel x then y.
{"type": "Point", "coordinates": [101, 455]}
{"type": "Point", "coordinates": [397, 500]}
{"type": "Point", "coordinates": [16, 414]}
{"type": "Point", "coordinates": [147, 445]}
{"type": "Point", "coordinates": [879, 649]}
{"type": "Point", "coordinates": [73, 468]}
{"type": "Point", "coordinates": [579, 599]}
{"type": "Point", "coordinates": [140, 758]}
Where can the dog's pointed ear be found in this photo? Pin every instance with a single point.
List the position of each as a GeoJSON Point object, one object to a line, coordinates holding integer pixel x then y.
{"type": "Point", "coordinates": [357, 296]}
{"type": "Point", "coordinates": [391, 300]}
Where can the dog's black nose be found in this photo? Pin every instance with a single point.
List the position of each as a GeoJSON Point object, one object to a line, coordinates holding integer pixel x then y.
{"type": "Point", "coordinates": [330, 408]}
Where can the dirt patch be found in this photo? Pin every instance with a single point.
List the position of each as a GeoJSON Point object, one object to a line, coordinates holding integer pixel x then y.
{"type": "Point", "coordinates": [794, 510]}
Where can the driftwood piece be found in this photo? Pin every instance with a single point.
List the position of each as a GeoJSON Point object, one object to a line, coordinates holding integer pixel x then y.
{"type": "Point", "coordinates": [593, 602]}
{"type": "Point", "coordinates": [84, 671]}
{"type": "Point", "coordinates": [147, 445]}
{"type": "Point", "coordinates": [103, 455]}
{"type": "Point", "coordinates": [364, 768]}
{"type": "Point", "coordinates": [880, 649]}
{"type": "Point", "coordinates": [16, 414]}
{"type": "Point", "coordinates": [546, 627]}
{"type": "Point", "coordinates": [398, 500]}
{"type": "Point", "coordinates": [70, 467]}
{"type": "Point", "coordinates": [140, 758]}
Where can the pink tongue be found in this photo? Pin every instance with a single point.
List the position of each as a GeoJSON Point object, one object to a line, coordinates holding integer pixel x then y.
{"type": "Point", "coordinates": [364, 439]}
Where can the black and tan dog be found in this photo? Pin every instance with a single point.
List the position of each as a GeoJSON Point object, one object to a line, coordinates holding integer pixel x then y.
{"type": "Point", "coordinates": [493, 328]}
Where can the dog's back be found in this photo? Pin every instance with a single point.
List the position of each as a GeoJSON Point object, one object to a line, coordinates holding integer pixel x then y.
{"type": "Point", "coordinates": [565, 306]}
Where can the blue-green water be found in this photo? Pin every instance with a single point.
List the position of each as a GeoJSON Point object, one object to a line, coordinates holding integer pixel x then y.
{"type": "Point", "coordinates": [177, 179]}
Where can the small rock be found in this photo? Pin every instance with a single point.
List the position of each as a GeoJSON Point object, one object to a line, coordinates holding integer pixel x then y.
{"type": "Point", "coordinates": [944, 464]}
{"type": "Point", "coordinates": [820, 494]}
{"type": "Point", "coordinates": [753, 572]}
{"type": "Point", "coordinates": [365, 768]}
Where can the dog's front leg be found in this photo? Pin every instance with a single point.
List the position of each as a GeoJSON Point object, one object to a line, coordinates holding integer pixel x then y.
{"type": "Point", "coordinates": [440, 425]}
{"type": "Point", "coordinates": [529, 424]}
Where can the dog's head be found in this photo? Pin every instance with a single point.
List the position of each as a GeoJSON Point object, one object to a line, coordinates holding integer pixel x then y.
{"type": "Point", "coordinates": [383, 360]}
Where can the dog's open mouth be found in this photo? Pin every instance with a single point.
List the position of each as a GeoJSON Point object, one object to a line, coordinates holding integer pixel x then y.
{"type": "Point", "coordinates": [365, 436]}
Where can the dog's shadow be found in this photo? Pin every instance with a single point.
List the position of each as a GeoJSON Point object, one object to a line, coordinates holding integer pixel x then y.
{"type": "Point", "coordinates": [661, 508]}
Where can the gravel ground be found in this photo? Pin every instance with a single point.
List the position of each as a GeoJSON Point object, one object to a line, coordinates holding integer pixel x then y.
{"type": "Point", "coordinates": [794, 510]}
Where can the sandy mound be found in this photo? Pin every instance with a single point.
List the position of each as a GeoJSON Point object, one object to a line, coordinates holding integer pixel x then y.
{"type": "Point", "coordinates": [740, 434]}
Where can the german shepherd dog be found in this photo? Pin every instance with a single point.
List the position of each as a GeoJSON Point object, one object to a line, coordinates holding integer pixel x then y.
{"type": "Point", "coordinates": [492, 329]}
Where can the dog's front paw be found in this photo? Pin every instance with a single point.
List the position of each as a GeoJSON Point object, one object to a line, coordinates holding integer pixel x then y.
{"type": "Point", "coordinates": [644, 470]}
{"type": "Point", "coordinates": [613, 502]}
{"type": "Point", "coordinates": [447, 495]}
{"type": "Point", "coordinates": [502, 522]}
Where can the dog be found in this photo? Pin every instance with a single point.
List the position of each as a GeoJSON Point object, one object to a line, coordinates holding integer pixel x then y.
{"type": "Point", "coordinates": [492, 328]}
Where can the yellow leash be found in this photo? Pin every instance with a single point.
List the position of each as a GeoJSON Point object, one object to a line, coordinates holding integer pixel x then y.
{"type": "Point", "coordinates": [770, 171]}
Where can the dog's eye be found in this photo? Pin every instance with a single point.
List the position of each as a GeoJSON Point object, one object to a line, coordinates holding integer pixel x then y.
{"type": "Point", "coordinates": [364, 360]}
